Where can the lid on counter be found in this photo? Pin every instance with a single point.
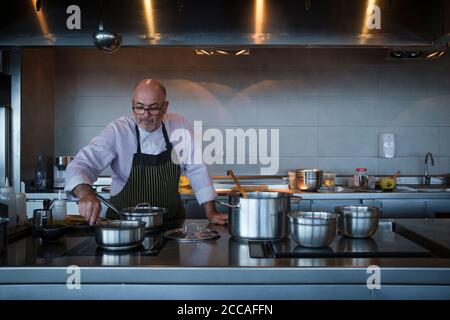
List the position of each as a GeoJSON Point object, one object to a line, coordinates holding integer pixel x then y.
{"type": "Point", "coordinates": [191, 232]}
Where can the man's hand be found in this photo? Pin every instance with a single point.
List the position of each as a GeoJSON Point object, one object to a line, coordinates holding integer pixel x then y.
{"type": "Point", "coordinates": [88, 206]}
{"type": "Point", "coordinates": [213, 215]}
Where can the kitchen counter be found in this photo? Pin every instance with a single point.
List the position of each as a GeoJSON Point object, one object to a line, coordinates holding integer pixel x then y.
{"type": "Point", "coordinates": [223, 269]}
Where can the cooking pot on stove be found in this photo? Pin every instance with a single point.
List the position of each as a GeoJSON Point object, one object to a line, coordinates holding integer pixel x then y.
{"type": "Point", "coordinates": [153, 217]}
{"type": "Point", "coordinates": [259, 217]}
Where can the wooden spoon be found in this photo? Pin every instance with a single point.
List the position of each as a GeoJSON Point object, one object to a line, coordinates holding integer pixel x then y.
{"type": "Point", "coordinates": [240, 188]}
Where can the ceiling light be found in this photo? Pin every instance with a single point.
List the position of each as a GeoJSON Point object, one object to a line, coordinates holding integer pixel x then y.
{"type": "Point", "coordinates": [397, 54]}
{"type": "Point", "coordinates": [414, 54]}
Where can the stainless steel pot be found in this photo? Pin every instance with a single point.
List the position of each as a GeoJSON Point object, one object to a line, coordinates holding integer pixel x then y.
{"type": "Point", "coordinates": [309, 179]}
{"type": "Point", "coordinates": [120, 235]}
{"type": "Point", "coordinates": [152, 216]}
{"type": "Point", "coordinates": [313, 229]}
{"type": "Point", "coordinates": [3, 233]}
{"type": "Point", "coordinates": [261, 216]}
{"type": "Point", "coordinates": [358, 221]}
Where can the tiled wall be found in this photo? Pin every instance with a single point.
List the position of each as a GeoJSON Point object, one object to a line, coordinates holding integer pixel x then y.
{"type": "Point", "coordinates": [329, 104]}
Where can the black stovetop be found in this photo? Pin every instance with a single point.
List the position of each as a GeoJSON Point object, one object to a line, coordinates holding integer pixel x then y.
{"type": "Point", "coordinates": [151, 246]}
{"type": "Point", "coordinates": [385, 243]}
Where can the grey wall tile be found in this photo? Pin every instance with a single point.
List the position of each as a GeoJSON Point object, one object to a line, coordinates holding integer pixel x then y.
{"type": "Point", "coordinates": [412, 80]}
{"type": "Point", "coordinates": [348, 141]}
{"type": "Point", "coordinates": [413, 111]}
{"type": "Point", "coordinates": [444, 165]}
{"type": "Point", "coordinates": [406, 165]}
{"type": "Point", "coordinates": [70, 139]}
{"type": "Point", "coordinates": [298, 141]}
{"type": "Point", "coordinates": [347, 111]}
{"type": "Point", "coordinates": [93, 111]}
{"type": "Point", "coordinates": [293, 163]}
{"type": "Point", "coordinates": [348, 165]}
{"type": "Point", "coordinates": [444, 141]}
{"type": "Point", "coordinates": [286, 111]}
{"type": "Point", "coordinates": [414, 141]}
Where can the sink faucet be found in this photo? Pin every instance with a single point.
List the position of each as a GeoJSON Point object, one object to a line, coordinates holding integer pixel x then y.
{"type": "Point", "coordinates": [427, 178]}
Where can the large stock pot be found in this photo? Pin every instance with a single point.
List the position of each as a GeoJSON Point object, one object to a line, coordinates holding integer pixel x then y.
{"type": "Point", "coordinates": [260, 216]}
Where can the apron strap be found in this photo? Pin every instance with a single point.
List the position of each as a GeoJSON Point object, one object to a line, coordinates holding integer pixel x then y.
{"type": "Point", "coordinates": [169, 145]}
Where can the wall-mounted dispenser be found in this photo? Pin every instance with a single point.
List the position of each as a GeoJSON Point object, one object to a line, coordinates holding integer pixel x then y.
{"type": "Point", "coordinates": [387, 145]}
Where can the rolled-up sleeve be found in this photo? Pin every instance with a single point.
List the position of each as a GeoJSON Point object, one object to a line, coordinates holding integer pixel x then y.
{"type": "Point", "coordinates": [92, 159]}
{"type": "Point", "coordinates": [197, 173]}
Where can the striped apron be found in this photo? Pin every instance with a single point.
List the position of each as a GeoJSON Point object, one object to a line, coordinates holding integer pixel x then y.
{"type": "Point", "coordinates": [153, 179]}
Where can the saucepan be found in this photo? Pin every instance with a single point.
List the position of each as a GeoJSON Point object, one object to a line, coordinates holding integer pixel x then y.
{"type": "Point", "coordinates": [260, 216]}
{"type": "Point", "coordinates": [119, 234]}
{"type": "Point", "coordinates": [152, 216]}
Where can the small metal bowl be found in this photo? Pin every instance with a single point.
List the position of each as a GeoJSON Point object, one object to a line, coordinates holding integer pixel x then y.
{"type": "Point", "coordinates": [312, 229]}
{"type": "Point", "coordinates": [51, 232]}
{"type": "Point", "coordinates": [357, 221]}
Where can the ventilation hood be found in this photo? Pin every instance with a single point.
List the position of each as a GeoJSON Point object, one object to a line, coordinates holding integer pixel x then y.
{"type": "Point", "coordinates": [224, 23]}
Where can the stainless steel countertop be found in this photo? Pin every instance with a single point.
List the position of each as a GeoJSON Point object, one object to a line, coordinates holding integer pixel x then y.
{"type": "Point", "coordinates": [218, 261]}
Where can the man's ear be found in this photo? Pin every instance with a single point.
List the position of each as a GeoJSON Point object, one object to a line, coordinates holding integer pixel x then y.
{"type": "Point", "coordinates": [165, 106]}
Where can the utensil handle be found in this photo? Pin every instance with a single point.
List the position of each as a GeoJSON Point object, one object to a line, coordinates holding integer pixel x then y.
{"type": "Point", "coordinates": [241, 189]}
{"type": "Point", "coordinates": [226, 204]}
{"type": "Point", "coordinates": [108, 204]}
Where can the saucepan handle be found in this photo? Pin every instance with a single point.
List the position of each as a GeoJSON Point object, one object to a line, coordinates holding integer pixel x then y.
{"type": "Point", "coordinates": [108, 204]}
{"type": "Point", "coordinates": [226, 204]}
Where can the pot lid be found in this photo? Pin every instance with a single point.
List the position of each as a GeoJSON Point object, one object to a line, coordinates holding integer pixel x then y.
{"type": "Point", "coordinates": [191, 232]}
{"type": "Point", "coordinates": [143, 208]}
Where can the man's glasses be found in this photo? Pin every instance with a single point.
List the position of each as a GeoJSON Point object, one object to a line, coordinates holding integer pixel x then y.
{"type": "Point", "coordinates": [153, 109]}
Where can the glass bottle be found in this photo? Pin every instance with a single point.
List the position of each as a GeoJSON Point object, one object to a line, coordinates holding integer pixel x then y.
{"type": "Point", "coordinates": [360, 179]}
{"type": "Point", "coordinates": [41, 174]}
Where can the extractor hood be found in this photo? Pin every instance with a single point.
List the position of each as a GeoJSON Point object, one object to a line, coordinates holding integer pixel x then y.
{"type": "Point", "coordinates": [221, 23]}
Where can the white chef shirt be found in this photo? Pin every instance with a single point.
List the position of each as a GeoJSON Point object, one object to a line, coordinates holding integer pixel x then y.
{"type": "Point", "coordinates": [117, 144]}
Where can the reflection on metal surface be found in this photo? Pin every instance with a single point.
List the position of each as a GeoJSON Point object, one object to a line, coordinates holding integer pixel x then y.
{"type": "Point", "coordinates": [223, 52]}
{"type": "Point", "coordinates": [151, 35]}
{"type": "Point", "coordinates": [259, 21]}
{"type": "Point", "coordinates": [435, 54]}
{"type": "Point", "coordinates": [43, 24]}
{"type": "Point", "coordinates": [367, 17]}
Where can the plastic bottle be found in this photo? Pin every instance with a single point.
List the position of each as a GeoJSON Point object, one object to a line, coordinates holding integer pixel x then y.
{"type": "Point", "coordinates": [8, 197]}
{"type": "Point", "coordinates": [41, 174]}
{"type": "Point", "coordinates": [59, 209]}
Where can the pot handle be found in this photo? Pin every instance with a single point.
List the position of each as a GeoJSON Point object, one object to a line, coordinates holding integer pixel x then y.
{"type": "Point", "coordinates": [144, 206]}
{"type": "Point", "coordinates": [109, 205]}
{"type": "Point", "coordinates": [296, 198]}
{"type": "Point", "coordinates": [226, 204]}
{"type": "Point", "coordinates": [186, 227]}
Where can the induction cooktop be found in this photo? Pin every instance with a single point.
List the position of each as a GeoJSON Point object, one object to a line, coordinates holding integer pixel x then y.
{"type": "Point", "coordinates": [385, 243]}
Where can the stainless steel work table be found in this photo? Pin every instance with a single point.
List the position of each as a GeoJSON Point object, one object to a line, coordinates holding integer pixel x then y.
{"type": "Point", "coordinates": [216, 269]}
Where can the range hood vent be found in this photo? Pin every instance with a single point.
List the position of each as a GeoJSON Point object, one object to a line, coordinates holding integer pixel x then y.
{"type": "Point", "coordinates": [249, 23]}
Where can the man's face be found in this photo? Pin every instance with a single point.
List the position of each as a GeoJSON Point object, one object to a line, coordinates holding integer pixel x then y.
{"type": "Point", "coordinates": [149, 107]}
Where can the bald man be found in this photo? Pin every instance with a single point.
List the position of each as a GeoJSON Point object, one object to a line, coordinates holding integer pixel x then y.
{"type": "Point", "coordinates": [139, 151]}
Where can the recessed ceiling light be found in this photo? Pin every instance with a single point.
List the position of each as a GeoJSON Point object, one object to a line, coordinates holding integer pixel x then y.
{"type": "Point", "coordinates": [397, 54]}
